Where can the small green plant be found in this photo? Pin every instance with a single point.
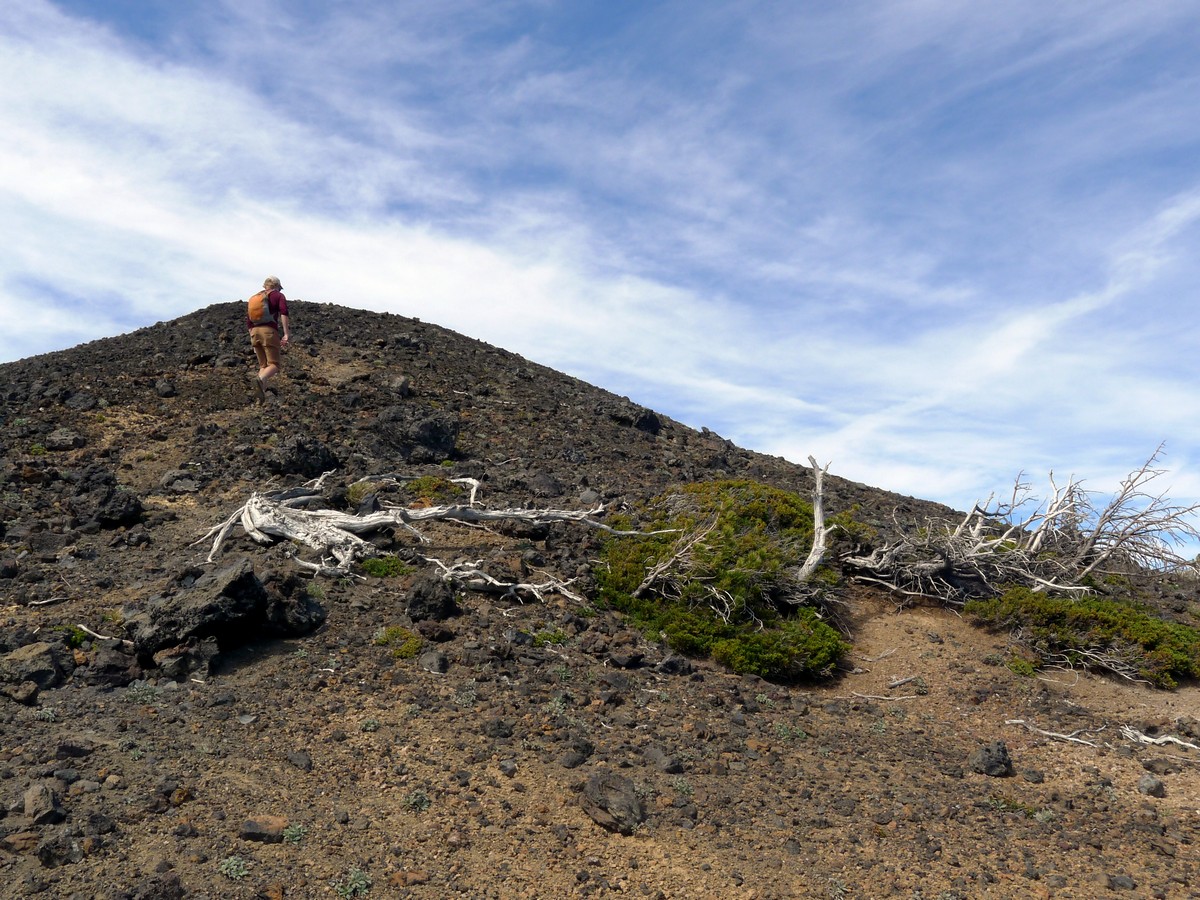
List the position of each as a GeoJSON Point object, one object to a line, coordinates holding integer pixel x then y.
{"type": "Point", "coordinates": [1019, 665]}
{"type": "Point", "coordinates": [369, 725]}
{"type": "Point", "coordinates": [683, 787]}
{"type": "Point", "coordinates": [233, 867]}
{"type": "Point", "coordinates": [550, 637]}
{"type": "Point", "coordinates": [787, 732]}
{"type": "Point", "coordinates": [466, 695]}
{"type": "Point", "coordinates": [74, 636]}
{"type": "Point", "coordinates": [316, 591]}
{"type": "Point", "coordinates": [46, 714]}
{"type": "Point", "coordinates": [356, 884]}
{"type": "Point", "coordinates": [404, 644]}
{"type": "Point", "coordinates": [417, 801]}
{"type": "Point", "coordinates": [357, 492]}
{"type": "Point", "coordinates": [1007, 804]}
{"type": "Point", "coordinates": [294, 833]}
{"type": "Point", "coordinates": [386, 567]}
{"type": "Point", "coordinates": [37, 450]}
{"type": "Point", "coordinates": [140, 692]}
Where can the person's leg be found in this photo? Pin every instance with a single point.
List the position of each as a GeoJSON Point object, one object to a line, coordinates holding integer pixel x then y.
{"type": "Point", "coordinates": [258, 342]}
{"type": "Point", "coordinates": [271, 349]}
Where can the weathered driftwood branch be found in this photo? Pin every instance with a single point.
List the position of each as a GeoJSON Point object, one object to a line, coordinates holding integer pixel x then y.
{"type": "Point", "coordinates": [470, 577]}
{"type": "Point", "coordinates": [679, 560]}
{"type": "Point", "coordinates": [1135, 735]}
{"type": "Point", "coordinates": [395, 478]}
{"type": "Point", "coordinates": [821, 531]}
{"type": "Point", "coordinates": [1071, 738]}
{"type": "Point", "coordinates": [265, 519]}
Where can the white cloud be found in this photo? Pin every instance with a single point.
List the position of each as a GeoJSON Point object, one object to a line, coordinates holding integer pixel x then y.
{"type": "Point", "coordinates": [933, 242]}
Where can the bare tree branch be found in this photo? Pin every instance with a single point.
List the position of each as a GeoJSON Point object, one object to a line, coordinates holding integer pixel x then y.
{"type": "Point", "coordinates": [1050, 546]}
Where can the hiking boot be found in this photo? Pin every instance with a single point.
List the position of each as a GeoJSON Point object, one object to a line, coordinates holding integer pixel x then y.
{"type": "Point", "coordinates": [260, 396]}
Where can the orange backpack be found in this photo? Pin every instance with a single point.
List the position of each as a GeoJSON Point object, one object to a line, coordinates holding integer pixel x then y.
{"type": "Point", "coordinates": [259, 310]}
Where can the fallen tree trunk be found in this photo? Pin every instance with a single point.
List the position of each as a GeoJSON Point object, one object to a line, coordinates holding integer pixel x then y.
{"type": "Point", "coordinates": [267, 517]}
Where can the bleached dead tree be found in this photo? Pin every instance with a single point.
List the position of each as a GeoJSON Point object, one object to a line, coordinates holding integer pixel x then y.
{"type": "Point", "coordinates": [821, 531]}
{"type": "Point", "coordinates": [336, 535]}
{"type": "Point", "coordinates": [1048, 545]}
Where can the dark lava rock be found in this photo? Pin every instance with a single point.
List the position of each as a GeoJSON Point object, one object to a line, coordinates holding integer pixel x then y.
{"type": "Point", "coordinates": [1152, 786]}
{"type": "Point", "coordinates": [298, 455]}
{"type": "Point", "coordinates": [418, 435]}
{"type": "Point", "coordinates": [39, 662]}
{"type": "Point", "coordinates": [231, 605]}
{"type": "Point", "coordinates": [430, 598]}
{"type": "Point", "coordinates": [612, 802]}
{"type": "Point", "coordinates": [110, 664]}
{"type": "Point", "coordinates": [992, 760]}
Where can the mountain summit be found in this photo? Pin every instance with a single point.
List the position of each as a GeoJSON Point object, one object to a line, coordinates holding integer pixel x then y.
{"type": "Point", "coordinates": [192, 706]}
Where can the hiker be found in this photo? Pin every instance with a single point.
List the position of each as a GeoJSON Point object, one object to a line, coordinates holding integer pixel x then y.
{"type": "Point", "coordinates": [266, 312]}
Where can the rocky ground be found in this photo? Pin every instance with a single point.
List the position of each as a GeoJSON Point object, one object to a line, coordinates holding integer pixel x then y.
{"type": "Point", "coordinates": [241, 729]}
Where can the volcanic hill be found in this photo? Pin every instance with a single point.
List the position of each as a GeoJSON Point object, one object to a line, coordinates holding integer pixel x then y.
{"type": "Point", "coordinates": [174, 727]}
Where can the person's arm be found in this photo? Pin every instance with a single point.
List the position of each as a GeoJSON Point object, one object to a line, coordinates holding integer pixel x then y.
{"type": "Point", "coordinates": [283, 322]}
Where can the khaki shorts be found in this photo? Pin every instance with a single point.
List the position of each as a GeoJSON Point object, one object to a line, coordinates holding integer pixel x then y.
{"type": "Point", "coordinates": [265, 341]}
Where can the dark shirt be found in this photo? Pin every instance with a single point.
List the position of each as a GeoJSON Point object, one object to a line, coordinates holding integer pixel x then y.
{"type": "Point", "coordinates": [277, 303]}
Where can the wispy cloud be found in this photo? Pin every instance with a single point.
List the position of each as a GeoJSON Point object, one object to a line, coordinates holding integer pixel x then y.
{"type": "Point", "coordinates": [934, 241]}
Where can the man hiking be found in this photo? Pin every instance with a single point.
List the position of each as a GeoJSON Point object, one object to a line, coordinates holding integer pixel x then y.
{"type": "Point", "coordinates": [265, 313]}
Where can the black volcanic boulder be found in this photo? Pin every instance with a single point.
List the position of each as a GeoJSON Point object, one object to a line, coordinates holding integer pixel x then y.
{"type": "Point", "coordinates": [612, 802]}
{"type": "Point", "coordinates": [418, 435]}
{"type": "Point", "coordinates": [100, 499]}
{"type": "Point", "coordinates": [992, 760]}
{"type": "Point", "coordinates": [231, 605]}
{"type": "Point", "coordinates": [430, 598]}
{"type": "Point", "coordinates": [306, 456]}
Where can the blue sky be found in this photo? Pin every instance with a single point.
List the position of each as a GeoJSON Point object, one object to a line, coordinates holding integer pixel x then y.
{"type": "Point", "coordinates": [935, 243]}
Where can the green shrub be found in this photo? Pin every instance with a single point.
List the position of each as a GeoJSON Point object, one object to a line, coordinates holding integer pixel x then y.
{"type": "Point", "coordinates": [796, 649]}
{"type": "Point", "coordinates": [1019, 665]}
{"type": "Point", "coordinates": [1120, 635]}
{"type": "Point", "coordinates": [386, 567]}
{"type": "Point", "coordinates": [404, 643]}
{"type": "Point", "coordinates": [730, 598]}
{"type": "Point", "coordinates": [74, 636]}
